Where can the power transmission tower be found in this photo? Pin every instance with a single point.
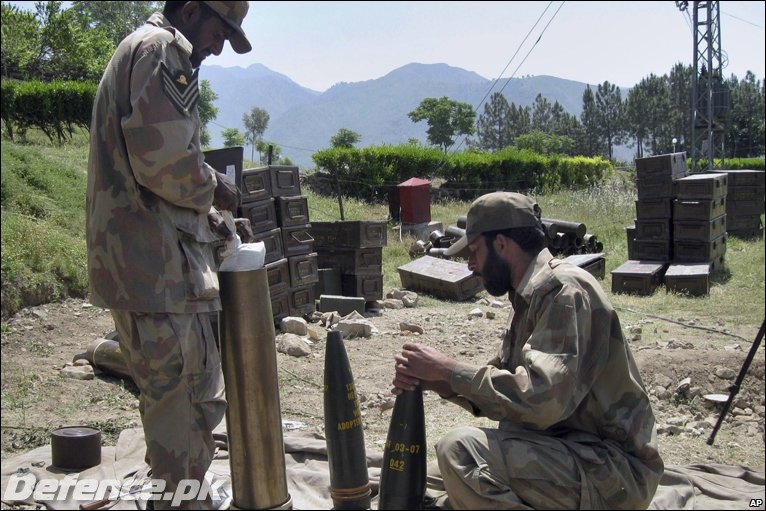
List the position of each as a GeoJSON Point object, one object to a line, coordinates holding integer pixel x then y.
{"type": "Point", "coordinates": [711, 99]}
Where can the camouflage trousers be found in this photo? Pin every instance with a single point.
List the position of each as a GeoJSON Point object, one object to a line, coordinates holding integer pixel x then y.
{"type": "Point", "coordinates": [175, 363]}
{"type": "Point", "coordinates": [483, 468]}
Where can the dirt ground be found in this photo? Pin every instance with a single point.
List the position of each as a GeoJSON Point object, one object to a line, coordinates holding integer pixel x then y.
{"type": "Point", "coordinates": [39, 341]}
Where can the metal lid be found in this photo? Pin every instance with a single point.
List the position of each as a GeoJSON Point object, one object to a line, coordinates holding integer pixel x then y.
{"type": "Point", "coordinates": [76, 447]}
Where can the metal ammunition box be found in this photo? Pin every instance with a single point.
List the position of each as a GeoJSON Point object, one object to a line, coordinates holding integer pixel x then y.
{"type": "Point", "coordinates": [638, 277]}
{"type": "Point", "coordinates": [303, 270]}
{"type": "Point", "coordinates": [441, 278]}
{"type": "Point", "coordinates": [701, 186]}
{"type": "Point", "coordinates": [262, 214]}
{"type": "Point", "coordinates": [653, 250]}
{"type": "Point", "coordinates": [256, 184]}
{"type": "Point", "coordinates": [368, 286]}
{"type": "Point", "coordinates": [745, 207]}
{"type": "Point", "coordinates": [653, 229]}
{"type": "Point", "coordinates": [297, 240]}
{"type": "Point", "coordinates": [595, 264]}
{"type": "Point", "coordinates": [343, 305]}
{"type": "Point", "coordinates": [285, 180]}
{"type": "Point", "coordinates": [672, 164]}
{"type": "Point", "coordinates": [278, 276]}
{"type": "Point", "coordinates": [699, 230]}
{"type": "Point", "coordinates": [700, 209]}
{"type": "Point", "coordinates": [349, 234]}
{"type": "Point", "coordinates": [688, 251]}
{"type": "Point", "coordinates": [292, 210]}
{"type": "Point", "coordinates": [272, 241]}
{"type": "Point", "coordinates": [656, 187]}
{"type": "Point", "coordinates": [328, 282]}
{"type": "Point", "coordinates": [649, 209]}
{"type": "Point", "coordinates": [362, 261]}
{"type": "Point", "coordinates": [688, 278]}
{"type": "Point", "coordinates": [227, 161]}
{"type": "Point", "coordinates": [302, 300]}
{"type": "Point", "coordinates": [743, 177]}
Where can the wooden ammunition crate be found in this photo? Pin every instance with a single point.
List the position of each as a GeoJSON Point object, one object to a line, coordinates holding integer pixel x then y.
{"type": "Point", "coordinates": [278, 276]}
{"type": "Point", "coordinates": [699, 230]}
{"type": "Point", "coordinates": [442, 278]}
{"type": "Point", "coordinates": [328, 282]}
{"type": "Point", "coordinates": [687, 251]}
{"type": "Point", "coordinates": [673, 164]}
{"type": "Point", "coordinates": [261, 214]}
{"type": "Point", "coordinates": [638, 277]}
{"type": "Point", "coordinates": [361, 260]}
{"type": "Point", "coordinates": [700, 209]}
{"type": "Point", "coordinates": [285, 180]}
{"type": "Point", "coordinates": [349, 234]}
{"type": "Point", "coordinates": [292, 210]}
{"type": "Point", "coordinates": [653, 229]}
{"type": "Point", "coordinates": [595, 264]}
{"type": "Point", "coordinates": [280, 306]}
{"type": "Point", "coordinates": [746, 193]}
{"type": "Point", "coordinates": [688, 278]}
{"type": "Point", "coordinates": [303, 270]}
{"type": "Point", "coordinates": [701, 186]}
{"type": "Point", "coordinates": [745, 207]}
{"type": "Point", "coordinates": [297, 240]}
{"type": "Point", "coordinates": [743, 177]}
{"type": "Point", "coordinates": [272, 241]}
{"type": "Point", "coordinates": [742, 222]}
{"type": "Point", "coordinates": [657, 187]}
{"type": "Point", "coordinates": [302, 300]}
{"type": "Point", "coordinates": [369, 286]}
{"type": "Point", "coordinates": [656, 208]}
{"type": "Point", "coordinates": [653, 250]}
{"type": "Point", "coordinates": [227, 161]}
{"type": "Point", "coordinates": [256, 184]}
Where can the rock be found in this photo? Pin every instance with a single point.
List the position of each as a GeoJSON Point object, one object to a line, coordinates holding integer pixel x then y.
{"type": "Point", "coordinates": [410, 327]}
{"type": "Point", "coordinates": [293, 325]}
{"type": "Point", "coordinates": [684, 385]}
{"type": "Point", "coordinates": [724, 373]}
{"type": "Point", "coordinates": [662, 380]}
{"type": "Point", "coordinates": [476, 313]}
{"type": "Point", "coordinates": [292, 345]}
{"type": "Point", "coordinates": [393, 303]}
{"type": "Point", "coordinates": [79, 372]}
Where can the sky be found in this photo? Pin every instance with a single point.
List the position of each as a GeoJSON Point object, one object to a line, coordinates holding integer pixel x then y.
{"type": "Point", "coordinates": [319, 44]}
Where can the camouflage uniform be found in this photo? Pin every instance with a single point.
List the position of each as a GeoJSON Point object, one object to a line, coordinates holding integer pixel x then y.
{"type": "Point", "coordinates": [576, 429]}
{"type": "Point", "coordinates": [149, 255]}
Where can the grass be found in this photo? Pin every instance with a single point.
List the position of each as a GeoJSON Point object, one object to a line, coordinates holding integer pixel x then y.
{"type": "Point", "coordinates": [43, 247]}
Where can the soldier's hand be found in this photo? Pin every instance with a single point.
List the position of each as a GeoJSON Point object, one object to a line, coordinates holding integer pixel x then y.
{"type": "Point", "coordinates": [218, 224]}
{"type": "Point", "coordinates": [244, 230]}
{"type": "Point", "coordinates": [227, 195]}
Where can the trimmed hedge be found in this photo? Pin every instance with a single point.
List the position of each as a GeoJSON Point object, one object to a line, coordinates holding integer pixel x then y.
{"type": "Point", "coordinates": [56, 108]}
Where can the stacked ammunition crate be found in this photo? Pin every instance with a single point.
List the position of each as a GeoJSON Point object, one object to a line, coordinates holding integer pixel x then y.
{"type": "Point", "coordinates": [278, 214]}
{"type": "Point", "coordinates": [350, 257]}
{"type": "Point", "coordinates": [744, 202]}
{"type": "Point", "coordinates": [699, 233]}
{"type": "Point", "coordinates": [650, 239]}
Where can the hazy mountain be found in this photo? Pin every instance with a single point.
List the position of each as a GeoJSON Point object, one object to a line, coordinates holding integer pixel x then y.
{"type": "Point", "coordinates": [302, 121]}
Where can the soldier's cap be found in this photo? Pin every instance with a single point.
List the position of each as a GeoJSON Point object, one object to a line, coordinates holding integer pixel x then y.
{"type": "Point", "coordinates": [496, 211]}
{"type": "Point", "coordinates": [233, 13]}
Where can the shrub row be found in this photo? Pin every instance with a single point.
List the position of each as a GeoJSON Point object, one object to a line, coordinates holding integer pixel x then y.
{"type": "Point", "coordinates": [56, 108]}
{"type": "Point", "coordinates": [363, 173]}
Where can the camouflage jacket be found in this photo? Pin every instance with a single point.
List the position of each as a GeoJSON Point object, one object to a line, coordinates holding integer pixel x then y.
{"type": "Point", "coordinates": [565, 369]}
{"type": "Point", "coordinates": [149, 190]}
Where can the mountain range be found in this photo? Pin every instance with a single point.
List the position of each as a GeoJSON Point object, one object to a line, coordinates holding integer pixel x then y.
{"type": "Point", "coordinates": [302, 121]}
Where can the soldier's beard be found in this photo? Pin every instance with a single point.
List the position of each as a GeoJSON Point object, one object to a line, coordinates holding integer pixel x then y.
{"type": "Point", "coordinates": [496, 274]}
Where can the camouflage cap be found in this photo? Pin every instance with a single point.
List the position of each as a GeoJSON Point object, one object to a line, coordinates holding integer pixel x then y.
{"type": "Point", "coordinates": [496, 211]}
{"type": "Point", "coordinates": [233, 13]}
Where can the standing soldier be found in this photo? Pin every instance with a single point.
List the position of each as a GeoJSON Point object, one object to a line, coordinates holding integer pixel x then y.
{"type": "Point", "coordinates": [150, 223]}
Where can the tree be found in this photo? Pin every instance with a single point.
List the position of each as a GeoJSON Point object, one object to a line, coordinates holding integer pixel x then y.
{"type": "Point", "coordinates": [542, 114]}
{"type": "Point", "coordinates": [745, 135]}
{"type": "Point", "coordinates": [589, 118]}
{"type": "Point", "coordinates": [276, 154]}
{"type": "Point", "coordinates": [207, 110]}
{"type": "Point", "coordinates": [494, 125]}
{"type": "Point", "coordinates": [115, 19]}
{"type": "Point", "coordinates": [255, 125]}
{"type": "Point", "coordinates": [232, 137]}
{"type": "Point", "coordinates": [345, 138]}
{"type": "Point", "coordinates": [609, 108]}
{"type": "Point", "coordinates": [20, 36]}
{"type": "Point", "coordinates": [445, 118]}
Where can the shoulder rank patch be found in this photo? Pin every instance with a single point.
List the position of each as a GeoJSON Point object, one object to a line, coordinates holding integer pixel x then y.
{"type": "Point", "coordinates": [181, 88]}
